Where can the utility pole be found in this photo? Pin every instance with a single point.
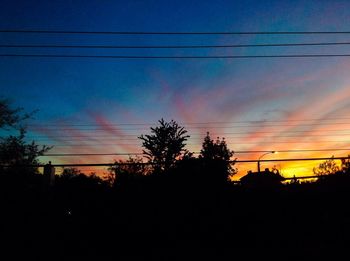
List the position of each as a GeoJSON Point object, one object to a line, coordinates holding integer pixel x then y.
{"type": "Point", "coordinates": [49, 175]}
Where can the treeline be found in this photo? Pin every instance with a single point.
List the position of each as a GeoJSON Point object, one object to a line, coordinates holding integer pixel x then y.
{"type": "Point", "coordinates": [177, 214]}
{"type": "Point", "coordinates": [178, 207]}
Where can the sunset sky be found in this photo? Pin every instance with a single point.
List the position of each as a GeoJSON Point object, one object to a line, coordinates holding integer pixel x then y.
{"type": "Point", "coordinates": [100, 105]}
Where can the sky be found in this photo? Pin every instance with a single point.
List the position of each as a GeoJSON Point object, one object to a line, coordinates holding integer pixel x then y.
{"type": "Point", "coordinates": [94, 105]}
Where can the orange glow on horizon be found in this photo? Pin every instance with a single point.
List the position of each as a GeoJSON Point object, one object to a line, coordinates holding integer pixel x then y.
{"type": "Point", "coordinates": [314, 121]}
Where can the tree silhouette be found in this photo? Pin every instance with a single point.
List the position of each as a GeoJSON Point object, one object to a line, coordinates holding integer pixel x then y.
{"type": "Point", "coordinates": [345, 165]}
{"type": "Point", "coordinates": [8, 116]}
{"type": "Point", "coordinates": [11, 117]}
{"type": "Point", "coordinates": [327, 167]}
{"type": "Point", "coordinates": [165, 145]}
{"type": "Point", "coordinates": [217, 152]}
{"type": "Point", "coordinates": [126, 170]}
{"type": "Point", "coordinates": [14, 150]}
{"type": "Point", "coordinates": [69, 173]}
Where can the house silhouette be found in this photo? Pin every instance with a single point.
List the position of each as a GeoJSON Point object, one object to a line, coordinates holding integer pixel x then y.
{"type": "Point", "coordinates": [264, 179]}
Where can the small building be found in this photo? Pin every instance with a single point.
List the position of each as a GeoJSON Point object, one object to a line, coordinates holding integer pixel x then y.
{"type": "Point", "coordinates": [264, 179]}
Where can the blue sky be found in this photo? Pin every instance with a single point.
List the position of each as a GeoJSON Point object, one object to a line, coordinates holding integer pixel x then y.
{"type": "Point", "coordinates": [106, 92]}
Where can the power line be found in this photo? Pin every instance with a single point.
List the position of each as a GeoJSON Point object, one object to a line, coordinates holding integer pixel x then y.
{"type": "Point", "coordinates": [88, 154]}
{"type": "Point", "coordinates": [137, 153]}
{"type": "Point", "coordinates": [217, 134]}
{"type": "Point", "coordinates": [311, 139]}
{"type": "Point", "coordinates": [171, 33]}
{"type": "Point", "coordinates": [295, 159]}
{"type": "Point", "coordinates": [297, 150]}
{"type": "Point", "coordinates": [205, 127]}
{"type": "Point", "coordinates": [171, 46]}
{"type": "Point", "coordinates": [303, 177]}
{"type": "Point", "coordinates": [229, 143]}
{"type": "Point", "coordinates": [176, 57]}
{"type": "Point", "coordinates": [191, 125]}
{"type": "Point", "coordinates": [148, 163]}
{"type": "Point", "coordinates": [93, 139]}
{"type": "Point", "coordinates": [194, 127]}
{"type": "Point", "coordinates": [309, 150]}
{"type": "Point", "coordinates": [200, 123]}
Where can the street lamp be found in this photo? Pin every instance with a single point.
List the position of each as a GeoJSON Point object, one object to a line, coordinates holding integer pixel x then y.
{"type": "Point", "coordinates": [269, 152]}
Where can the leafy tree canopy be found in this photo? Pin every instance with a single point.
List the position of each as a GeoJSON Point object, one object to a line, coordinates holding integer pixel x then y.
{"type": "Point", "coordinates": [10, 117]}
{"type": "Point", "coordinates": [126, 170]}
{"type": "Point", "coordinates": [165, 144]}
{"type": "Point", "coordinates": [217, 151]}
{"type": "Point", "coordinates": [327, 167]}
{"type": "Point", "coordinates": [14, 150]}
{"type": "Point", "coordinates": [345, 163]}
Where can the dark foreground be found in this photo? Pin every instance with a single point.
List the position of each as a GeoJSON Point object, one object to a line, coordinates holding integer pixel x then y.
{"type": "Point", "coordinates": [164, 219]}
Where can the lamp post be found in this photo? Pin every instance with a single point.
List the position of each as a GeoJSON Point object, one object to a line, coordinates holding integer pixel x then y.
{"type": "Point", "coordinates": [269, 152]}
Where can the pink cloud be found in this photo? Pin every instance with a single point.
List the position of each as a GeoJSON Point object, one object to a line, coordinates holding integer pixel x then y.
{"type": "Point", "coordinates": [228, 102]}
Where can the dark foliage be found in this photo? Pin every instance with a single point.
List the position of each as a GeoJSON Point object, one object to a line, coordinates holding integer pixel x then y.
{"type": "Point", "coordinates": [164, 215]}
{"type": "Point", "coordinates": [216, 158]}
{"type": "Point", "coordinates": [9, 117]}
{"type": "Point", "coordinates": [127, 171]}
{"type": "Point", "coordinates": [327, 167]}
{"type": "Point", "coordinates": [165, 145]}
{"type": "Point", "coordinates": [191, 211]}
{"type": "Point", "coordinates": [15, 152]}
{"type": "Point", "coordinates": [345, 165]}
